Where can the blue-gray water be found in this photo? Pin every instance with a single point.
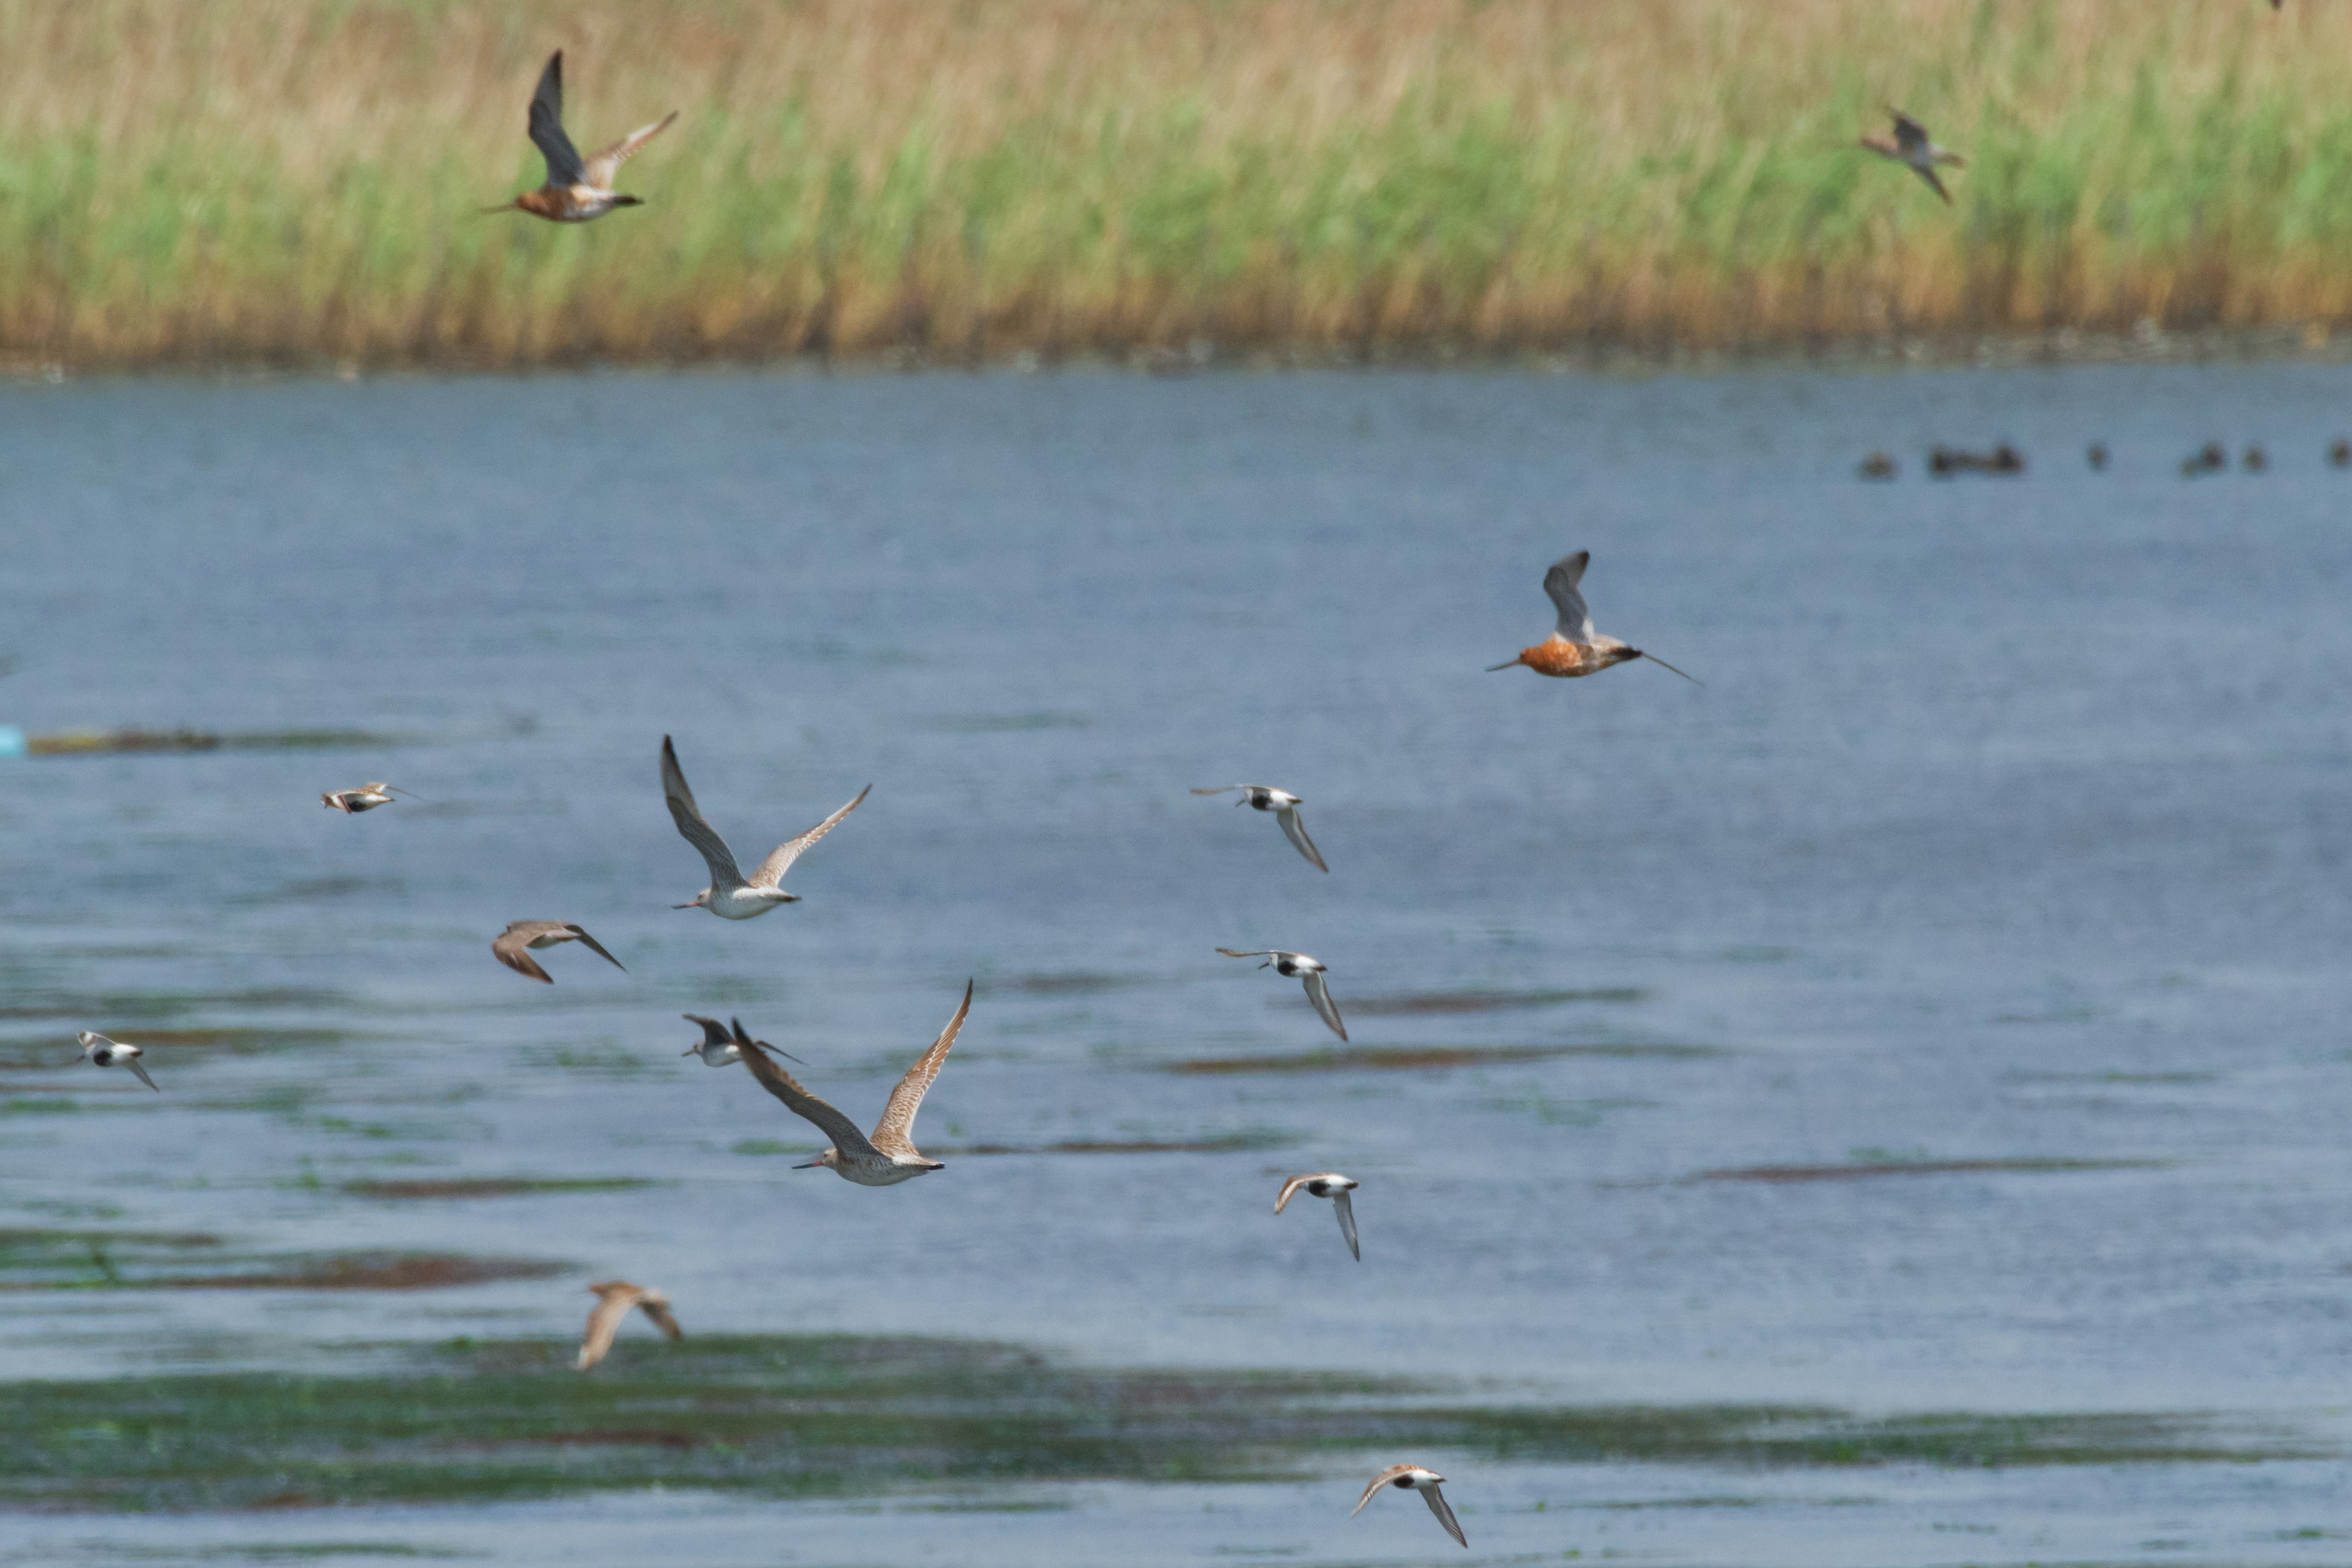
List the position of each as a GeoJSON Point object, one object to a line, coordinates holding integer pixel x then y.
{"type": "Point", "coordinates": [2008, 825]}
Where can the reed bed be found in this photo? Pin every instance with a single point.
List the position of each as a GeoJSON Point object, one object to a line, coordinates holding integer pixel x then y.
{"type": "Point", "coordinates": [297, 181]}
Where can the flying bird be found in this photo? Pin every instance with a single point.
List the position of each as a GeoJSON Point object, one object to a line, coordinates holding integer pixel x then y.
{"type": "Point", "coordinates": [1412, 1478]}
{"type": "Point", "coordinates": [1915, 151]}
{"type": "Point", "coordinates": [887, 1157]}
{"type": "Point", "coordinates": [1327, 1184]}
{"type": "Point", "coordinates": [731, 895]}
{"type": "Point", "coordinates": [509, 945]}
{"type": "Point", "coordinates": [1574, 647]}
{"type": "Point", "coordinates": [613, 1299]}
{"type": "Point", "coordinates": [576, 190]}
{"type": "Point", "coordinates": [1285, 807]}
{"type": "Point", "coordinates": [718, 1047]}
{"type": "Point", "coordinates": [1299, 966]}
{"type": "Point", "coordinates": [103, 1052]}
{"type": "Point", "coordinates": [367, 797]}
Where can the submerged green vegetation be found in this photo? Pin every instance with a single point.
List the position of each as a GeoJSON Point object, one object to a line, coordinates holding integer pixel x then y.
{"type": "Point", "coordinates": [291, 180]}
{"type": "Point", "coordinates": [797, 1417]}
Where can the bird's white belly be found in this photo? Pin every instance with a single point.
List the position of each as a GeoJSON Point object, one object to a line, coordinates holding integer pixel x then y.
{"type": "Point", "coordinates": [740, 904]}
{"type": "Point", "coordinates": [880, 1175]}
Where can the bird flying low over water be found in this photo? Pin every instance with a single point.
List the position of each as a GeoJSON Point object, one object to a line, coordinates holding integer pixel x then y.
{"type": "Point", "coordinates": [1574, 648]}
{"type": "Point", "coordinates": [613, 1299]}
{"type": "Point", "coordinates": [1299, 966]}
{"type": "Point", "coordinates": [1412, 1478]}
{"type": "Point", "coordinates": [367, 797]}
{"type": "Point", "coordinates": [887, 1157]}
{"type": "Point", "coordinates": [1285, 807]}
{"type": "Point", "coordinates": [509, 945]}
{"type": "Point", "coordinates": [103, 1052]}
{"type": "Point", "coordinates": [1915, 151]}
{"type": "Point", "coordinates": [718, 1047]}
{"type": "Point", "coordinates": [1327, 1184]}
{"type": "Point", "coordinates": [577, 189]}
{"type": "Point", "coordinates": [731, 895]}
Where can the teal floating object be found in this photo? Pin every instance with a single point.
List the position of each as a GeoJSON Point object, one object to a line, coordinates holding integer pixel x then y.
{"type": "Point", "coordinates": [12, 741]}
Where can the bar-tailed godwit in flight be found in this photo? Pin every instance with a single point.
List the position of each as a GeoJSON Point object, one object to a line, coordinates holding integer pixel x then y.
{"type": "Point", "coordinates": [1915, 151]}
{"type": "Point", "coordinates": [731, 895]}
{"type": "Point", "coordinates": [1285, 807]}
{"type": "Point", "coordinates": [1326, 1184]}
{"type": "Point", "coordinates": [1574, 647]}
{"type": "Point", "coordinates": [1412, 1478]}
{"type": "Point", "coordinates": [510, 943]}
{"type": "Point", "coordinates": [887, 1157]}
{"type": "Point", "coordinates": [103, 1052]}
{"type": "Point", "coordinates": [1299, 966]}
{"type": "Point", "coordinates": [720, 1048]}
{"type": "Point", "coordinates": [576, 189]}
{"type": "Point", "coordinates": [367, 797]}
{"type": "Point", "coordinates": [613, 1299]}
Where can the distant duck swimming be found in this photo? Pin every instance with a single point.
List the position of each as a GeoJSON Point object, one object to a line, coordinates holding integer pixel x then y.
{"type": "Point", "coordinates": [1574, 648]}
{"type": "Point", "coordinates": [576, 189]}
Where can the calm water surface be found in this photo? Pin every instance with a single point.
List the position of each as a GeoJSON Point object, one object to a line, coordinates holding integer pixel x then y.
{"type": "Point", "coordinates": [2009, 826]}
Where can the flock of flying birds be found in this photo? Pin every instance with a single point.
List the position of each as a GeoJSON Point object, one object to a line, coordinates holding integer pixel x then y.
{"type": "Point", "coordinates": [887, 1155]}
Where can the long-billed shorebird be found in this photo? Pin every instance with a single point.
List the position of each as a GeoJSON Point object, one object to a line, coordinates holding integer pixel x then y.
{"type": "Point", "coordinates": [731, 895]}
{"type": "Point", "coordinates": [1285, 807]}
{"type": "Point", "coordinates": [367, 797]}
{"type": "Point", "coordinates": [720, 1048]}
{"type": "Point", "coordinates": [509, 945]}
{"type": "Point", "coordinates": [1327, 1184]}
{"type": "Point", "coordinates": [576, 189]}
{"type": "Point", "coordinates": [888, 1155]}
{"type": "Point", "coordinates": [1412, 1478]}
{"type": "Point", "coordinates": [1574, 647]}
{"type": "Point", "coordinates": [1299, 966]}
{"type": "Point", "coordinates": [103, 1052]}
{"type": "Point", "coordinates": [1915, 151]}
{"type": "Point", "coordinates": [613, 1299]}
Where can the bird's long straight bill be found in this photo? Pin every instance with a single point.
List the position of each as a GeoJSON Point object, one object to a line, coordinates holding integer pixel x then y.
{"type": "Point", "coordinates": [1662, 664]}
{"type": "Point", "coordinates": [1493, 667]}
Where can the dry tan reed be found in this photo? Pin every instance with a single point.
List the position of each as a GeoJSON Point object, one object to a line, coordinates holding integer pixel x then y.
{"type": "Point", "coordinates": [298, 180]}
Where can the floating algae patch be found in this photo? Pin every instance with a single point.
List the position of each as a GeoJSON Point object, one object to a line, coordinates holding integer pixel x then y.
{"type": "Point", "coordinates": [96, 742]}
{"type": "Point", "coordinates": [495, 1187]}
{"type": "Point", "coordinates": [1407, 1058]}
{"type": "Point", "coordinates": [839, 1416]}
{"type": "Point", "coordinates": [1003, 723]}
{"type": "Point", "coordinates": [69, 1259]}
{"type": "Point", "coordinates": [1077, 984]}
{"type": "Point", "coordinates": [1431, 1003]}
{"type": "Point", "coordinates": [1227, 1143]}
{"type": "Point", "coordinates": [122, 1009]}
{"type": "Point", "coordinates": [1861, 1170]}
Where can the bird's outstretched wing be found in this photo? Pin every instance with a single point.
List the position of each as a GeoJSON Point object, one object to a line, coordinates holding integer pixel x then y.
{"type": "Point", "coordinates": [1290, 1190]}
{"type": "Point", "coordinates": [1934, 182]}
{"type": "Point", "coordinates": [596, 947]}
{"type": "Point", "coordinates": [607, 164]}
{"type": "Point", "coordinates": [1435, 1499]}
{"type": "Point", "coordinates": [894, 1134]}
{"type": "Point", "coordinates": [1346, 1221]}
{"type": "Point", "coordinates": [1260, 952]}
{"type": "Point", "coordinates": [847, 1135]}
{"type": "Point", "coordinates": [603, 1322]}
{"type": "Point", "coordinates": [1909, 135]}
{"type": "Point", "coordinates": [656, 1308]}
{"type": "Point", "coordinates": [133, 1063]}
{"type": "Point", "coordinates": [1295, 831]}
{"type": "Point", "coordinates": [690, 826]}
{"type": "Point", "coordinates": [1383, 1479]}
{"type": "Point", "coordinates": [512, 948]}
{"type": "Point", "coordinates": [1320, 995]}
{"type": "Point", "coordinates": [1575, 622]}
{"type": "Point", "coordinates": [714, 1033]}
{"type": "Point", "coordinates": [563, 165]}
{"type": "Point", "coordinates": [771, 870]}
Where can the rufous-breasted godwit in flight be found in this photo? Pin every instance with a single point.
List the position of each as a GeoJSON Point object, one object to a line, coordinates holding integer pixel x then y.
{"type": "Point", "coordinates": [1326, 1184]}
{"type": "Point", "coordinates": [613, 1299]}
{"type": "Point", "coordinates": [1574, 647]}
{"type": "Point", "coordinates": [1285, 807]}
{"type": "Point", "coordinates": [103, 1052]}
{"type": "Point", "coordinates": [1412, 1478]}
{"type": "Point", "coordinates": [888, 1155]}
{"type": "Point", "coordinates": [720, 1048]}
{"type": "Point", "coordinates": [731, 895]}
{"type": "Point", "coordinates": [367, 797]}
{"type": "Point", "coordinates": [1915, 151]}
{"type": "Point", "coordinates": [1299, 966]}
{"type": "Point", "coordinates": [510, 943]}
{"type": "Point", "coordinates": [576, 189]}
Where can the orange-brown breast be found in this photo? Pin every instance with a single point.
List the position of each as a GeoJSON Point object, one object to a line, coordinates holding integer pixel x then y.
{"type": "Point", "coordinates": [547, 201]}
{"type": "Point", "coordinates": [1553, 656]}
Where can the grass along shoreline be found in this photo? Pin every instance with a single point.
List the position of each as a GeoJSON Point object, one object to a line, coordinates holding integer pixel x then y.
{"type": "Point", "coordinates": [289, 182]}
